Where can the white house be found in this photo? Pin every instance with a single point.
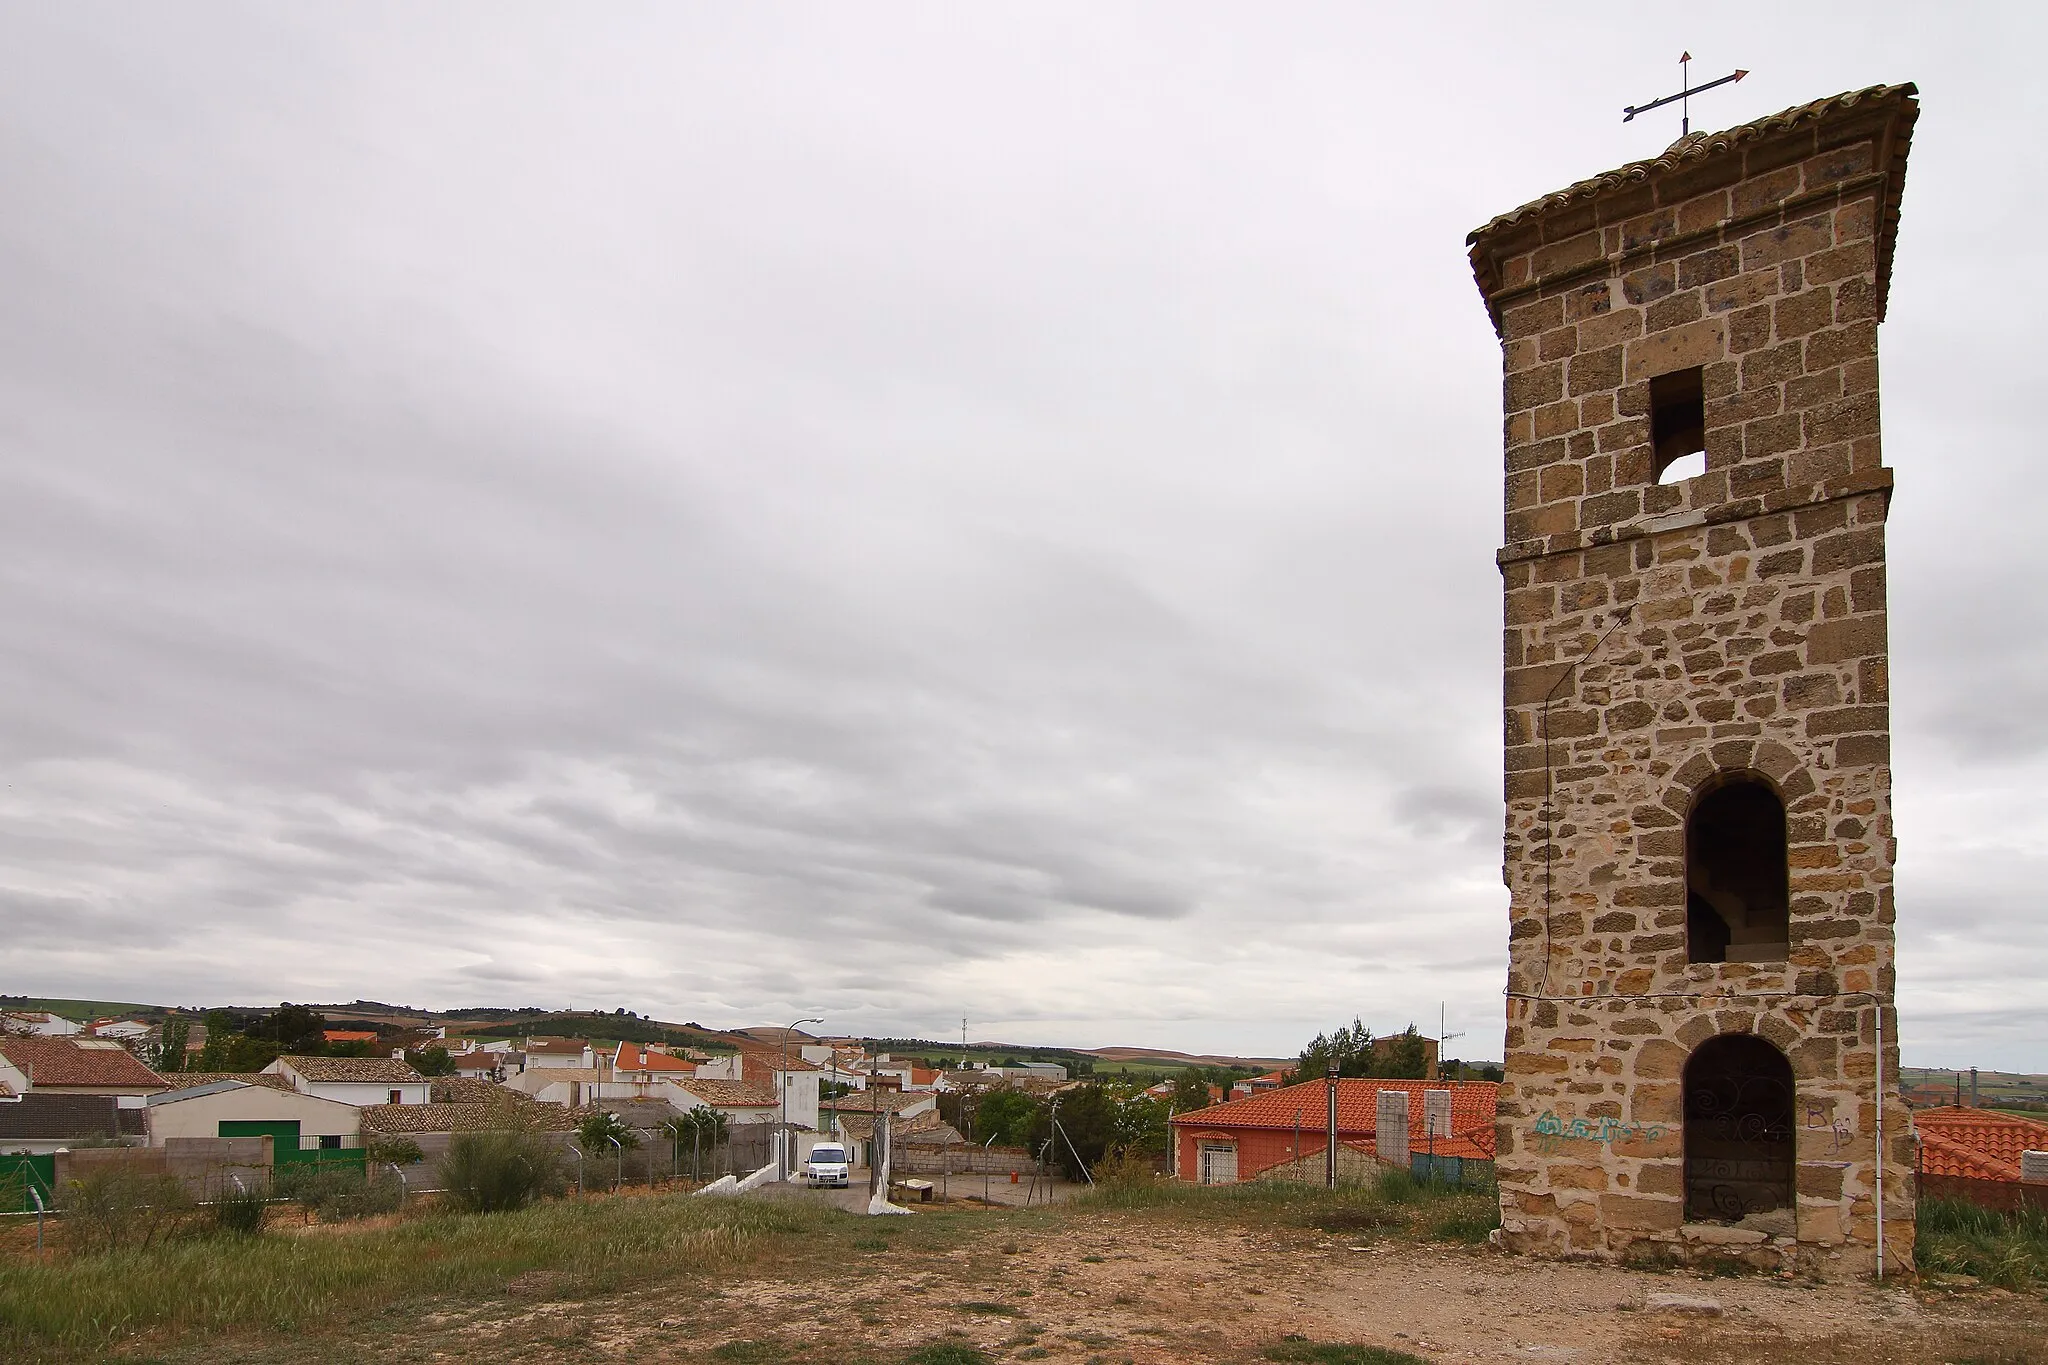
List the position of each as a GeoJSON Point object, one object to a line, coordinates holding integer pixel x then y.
{"type": "Point", "coordinates": [737, 1100]}
{"type": "Point", "coordinates": [354, 1080]}
{"type": "Point", "coordinates": [572, 1053]}
{"type": "Point", "coordinates": [794, 1082]}
{"type": "Point", "coordinates": [41, 1023]}
{"type": "Point", "coordinates": [577, 1086]}
{"type": "Point", "coordinates": [236, 1109]}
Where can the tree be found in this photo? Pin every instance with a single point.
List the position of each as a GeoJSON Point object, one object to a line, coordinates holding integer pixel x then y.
{"type": "Point", "coordinates": [1406, 1057]}
{"type": "Point", "coordinates": [1191, 1092]}
{"type": "Point", "coordinates": [295, 1029]}
{"type": "Point", "coordinates": [1140, 1125]}
{"type": "Point", "coordinates": [599, 1130]}
{"type": "Point", "coordinates": [167, 1054]}
{"type": "Point", "coordinates": [1087, 1126]}
{"type": "Point", "coordinates": [430, 1061]}
{"type": "Point", "coordinates": [1005, 1115]}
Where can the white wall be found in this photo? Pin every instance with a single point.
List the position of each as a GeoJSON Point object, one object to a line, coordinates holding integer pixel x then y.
{"type": "Point", "coordinates": [801, 1099]}
{"type": "Point", "coordinates": [200, 1116]}
{"type": "Point", "coordinates": [366, 1092]}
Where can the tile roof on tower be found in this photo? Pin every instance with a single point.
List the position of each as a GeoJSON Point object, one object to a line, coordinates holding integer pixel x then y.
{"type": "Point", "coordinates": [1629, 194]}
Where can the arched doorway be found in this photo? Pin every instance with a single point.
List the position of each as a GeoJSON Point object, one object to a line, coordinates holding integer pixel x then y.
{"type": "Point", "coordinates": [1737, 894]}
{"type": "Point", "coordinates": [1739, 1135]}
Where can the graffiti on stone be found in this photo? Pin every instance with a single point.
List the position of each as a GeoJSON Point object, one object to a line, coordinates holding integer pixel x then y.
{"type": "Point", "coordinates": [1552, 1133]}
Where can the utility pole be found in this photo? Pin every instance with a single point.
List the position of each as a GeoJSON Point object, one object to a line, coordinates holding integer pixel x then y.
{"type": "Point", "coordinates": [1330, 1147]}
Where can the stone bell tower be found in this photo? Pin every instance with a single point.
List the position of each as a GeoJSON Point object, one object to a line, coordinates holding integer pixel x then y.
{"type": "Point", "coordinates": [1701, 1046]}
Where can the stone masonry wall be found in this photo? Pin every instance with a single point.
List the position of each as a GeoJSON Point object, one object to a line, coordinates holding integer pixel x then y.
{"type": "Point", "coordinates": [1755, 641]}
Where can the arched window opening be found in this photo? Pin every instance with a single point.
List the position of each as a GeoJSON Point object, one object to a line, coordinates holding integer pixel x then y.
{"type": "Point", "coordinates": [1737, 899]}
{"type": "Point", "coordinates": [1739, 1138]}
{"type": "Point", "coordinates": [1678, 423]}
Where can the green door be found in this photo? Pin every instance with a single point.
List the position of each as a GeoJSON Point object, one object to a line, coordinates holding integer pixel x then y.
{"type": "Point", "coordinates": [284, 1134]}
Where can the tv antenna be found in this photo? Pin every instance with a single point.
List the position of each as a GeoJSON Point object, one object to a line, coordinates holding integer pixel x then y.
{"type": "Point", "coordinates": [1686, 90]}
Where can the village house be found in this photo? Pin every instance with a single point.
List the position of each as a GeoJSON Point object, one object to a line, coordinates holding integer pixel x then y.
{"type": "Point", "coordinates": [76, 1065]}
{"type": "Point", "coordinates": [573, 1087]}
{"type": "Point", "coordinates": [235, 1108]}
{"type": "Point", "coordinates": [739, 1101]}
{"type": "Point", "coordinates": [574, 1054]}
{"type": "Point", "coordinates": [38, 1023]}
{"type": "Point", "coordinates": [1981, 1156]}
{"type": "Point", "coordinates": [1245, 1138]}
{"type": "Point", "coordinates": [353, 1080]}
{"type": "Point", "coordinates": [49, 1121]}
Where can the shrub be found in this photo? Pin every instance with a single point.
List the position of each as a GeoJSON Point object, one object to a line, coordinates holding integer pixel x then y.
{"type": "Point", "coordinates": [239, 1210]}
{"type": "Point", "coordinates": [1124, 1169]}
{"type": "Point", "coordinates": [117, 1206]}
{"type": "Point", "coordinates": [333, 1193]}
{"type": "Point", "coordinates": [394, 1151]}
{"type": "Point", "coordinates": [492, 1172]}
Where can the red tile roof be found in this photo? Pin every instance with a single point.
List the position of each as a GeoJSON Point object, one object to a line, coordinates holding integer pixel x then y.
{"type": "Point", "coordinates": [348, 1035]}
{"type": "Point", "coordinates": [633, 1057]}
{"type": "Point", "coordinates": [71, 1064]}
{"type": "Point", "coordinates": [759, 1064]}
{"type": "Point", "coordinates": [366, 1070]}
{"type": "Point", "coordinates": [729, 1094]}
{"type": "Point", "coordinates": [192, 1080]}
{"type": "Point", "coordinates": [1472, 1110]}
{"type": "Point", "coordinates": [1976, 1143]}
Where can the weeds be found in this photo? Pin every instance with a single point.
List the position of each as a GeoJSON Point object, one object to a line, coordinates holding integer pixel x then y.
{"type": "Point", "coordinates": [1336, 1353]}
{"type": "Point", "coordinates": [335, 1193]}
{"type": "Point", "coordinates": [948, 1353]}
{"type": "Point", "coordinates": [116, 1208]}
{"type": "Point", "coordinates": [2008, 1250]}
{"type": "Point", "coordinates": [1396, 1203]}
{"type": "Point", "coordinates": [288, 1284]}
{"type": "Point", "coordinates": [239, 1211]}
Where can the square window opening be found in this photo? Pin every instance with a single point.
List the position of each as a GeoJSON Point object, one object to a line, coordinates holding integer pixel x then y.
{"type": "Point", "coordinates": [1678, 424]}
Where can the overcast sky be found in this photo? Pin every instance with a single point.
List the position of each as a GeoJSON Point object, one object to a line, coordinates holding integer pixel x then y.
{"type": "Point", "coordinates": [889, 512]}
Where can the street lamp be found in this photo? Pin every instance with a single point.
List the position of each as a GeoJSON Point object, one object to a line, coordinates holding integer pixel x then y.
{"type": "Point", "coordinates": [782, 1096]}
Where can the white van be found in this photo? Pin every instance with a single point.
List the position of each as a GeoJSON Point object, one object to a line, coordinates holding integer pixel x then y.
{"type": "Point", "coordinates": [826, 1165]}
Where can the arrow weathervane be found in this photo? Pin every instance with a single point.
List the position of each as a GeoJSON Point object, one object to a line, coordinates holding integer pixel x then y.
{"type": "Point", "coordinates": [1685, 93]}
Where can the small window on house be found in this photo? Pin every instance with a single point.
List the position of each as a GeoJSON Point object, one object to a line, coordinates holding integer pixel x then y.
{"type": "Point", "coordinates": [398, 1097]}
{"type": "Point", "coordinates": [1737, 895]}
{"type": "Point", "coordinates": [1678, 425]}
{"type": "Point", "coordinates": [330, 1142]}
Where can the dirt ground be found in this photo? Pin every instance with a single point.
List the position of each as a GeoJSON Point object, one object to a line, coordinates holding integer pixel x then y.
{"type": "Point", "coordinates": [1141, 1287]}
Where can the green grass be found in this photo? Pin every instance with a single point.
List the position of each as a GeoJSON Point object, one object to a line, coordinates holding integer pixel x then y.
{"type": "Point", "coordinates": [1337, 1353]}
{"type": "Point", "coordinates": [948, 1353]}
{"type": "Point", "coordinates": [289, 1284]}
{"type": "Point", "coordinates": [1395, 1205]}
{"type": "Point", "coordinates": [2008, 1250]}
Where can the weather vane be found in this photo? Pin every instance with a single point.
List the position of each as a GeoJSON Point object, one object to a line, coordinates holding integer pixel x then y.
{"type": "Point", "coordinates": [1685, 93]}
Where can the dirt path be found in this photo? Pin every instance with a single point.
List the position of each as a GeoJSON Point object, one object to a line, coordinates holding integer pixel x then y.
{"type": "Point", "coordinates": [1110, 1288]}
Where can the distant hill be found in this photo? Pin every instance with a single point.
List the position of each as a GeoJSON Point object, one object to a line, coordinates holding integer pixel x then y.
{"type": "Point", "coordinates": [493, 1021]}
{"type": "Point", "coordinates": [1167, 1057]}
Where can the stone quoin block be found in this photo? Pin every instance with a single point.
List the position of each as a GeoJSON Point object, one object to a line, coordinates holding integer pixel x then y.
{"type": "Point", "coordinates": [1700, 920]}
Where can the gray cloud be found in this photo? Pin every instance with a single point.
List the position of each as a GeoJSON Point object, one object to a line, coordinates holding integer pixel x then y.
{"type": "Point", "coordinates": [743, 513]}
